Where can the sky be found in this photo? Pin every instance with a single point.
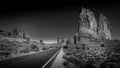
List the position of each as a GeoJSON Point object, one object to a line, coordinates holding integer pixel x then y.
{"type": "Point", "coordinates": [49, 20]}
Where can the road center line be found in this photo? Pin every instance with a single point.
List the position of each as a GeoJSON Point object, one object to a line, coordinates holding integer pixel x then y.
{"type": "Point", "coordinates": [50, 59]}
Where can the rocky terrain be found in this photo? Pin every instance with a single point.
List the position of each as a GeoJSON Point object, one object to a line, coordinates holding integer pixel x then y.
{"type": "Point", "coordinates": [16, 44]}
{"type": "Point", "coordinates": [93, 46]}
{"type": "Point", "coordinates": [96, 56]}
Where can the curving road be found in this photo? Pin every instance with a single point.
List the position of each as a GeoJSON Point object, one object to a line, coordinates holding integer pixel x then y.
{"type": "Point", "coordinates": [37, 60]}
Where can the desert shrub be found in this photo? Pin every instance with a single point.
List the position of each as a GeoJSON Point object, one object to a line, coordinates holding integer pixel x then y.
{"type": "Point", "coordinates": [11, 48]}
{"type": "Point", "coordinates": [65, 46]}
{"type": "Point", "coordinates": [45, 47]}
{"type": "Point", "coordinates": [25, 50]}
{"type": "Point", "coordinates": [34, 47]}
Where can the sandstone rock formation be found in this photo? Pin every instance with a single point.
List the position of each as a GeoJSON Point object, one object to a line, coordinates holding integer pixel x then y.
{"type": "Point", "coordinates": [62, 41]}
{"type": "Point", "coordinates": [91, 28]}
{"type": "Point", "coordinates": [93, 46]}
{"type": "Point", "coordinates": [104, 27]}
{"type": "Point", "coordinates": [14, 34]}
{"type": "Point", "coordinates": [18, 34]}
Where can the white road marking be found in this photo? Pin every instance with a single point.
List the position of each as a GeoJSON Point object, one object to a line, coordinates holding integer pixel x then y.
{"type": "Point", "coordinates": [50, 59]}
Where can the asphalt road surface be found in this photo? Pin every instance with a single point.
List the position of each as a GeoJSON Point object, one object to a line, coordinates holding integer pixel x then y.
{"type": "Point", "coordinates": [37, 60]}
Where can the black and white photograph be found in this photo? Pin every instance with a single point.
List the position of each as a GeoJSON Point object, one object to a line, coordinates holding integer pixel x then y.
{"type": "Point", "coordinates": [60, 34]}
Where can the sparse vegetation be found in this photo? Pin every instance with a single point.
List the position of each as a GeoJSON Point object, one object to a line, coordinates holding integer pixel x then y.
{"type": "Point", "coordinates": [93, 56]}
{"type": "Point", "coordinates": [9, 49]}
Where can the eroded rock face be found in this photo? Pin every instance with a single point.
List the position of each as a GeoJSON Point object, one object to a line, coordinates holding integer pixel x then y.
{"type": "Point", "coordinates": [93, 47]}
{"type": "Point", "coordinates": [91, 28]}
{"type": "Point", "coordinates": [104, 27]}
{"type": "Point", "coordinates": [88, 23]}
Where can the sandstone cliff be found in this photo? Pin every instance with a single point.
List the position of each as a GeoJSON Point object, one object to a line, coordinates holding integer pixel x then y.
{"type": "Point", "coordinates": [91, 28]}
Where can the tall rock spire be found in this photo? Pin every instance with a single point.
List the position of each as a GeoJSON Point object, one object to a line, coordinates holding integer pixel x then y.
{"type": "Point", "coordinates": [92, 28]}
{"type": "Point", "coordinates": [104, 27]}
{"type": "Point", "coordinates": [88, 23]}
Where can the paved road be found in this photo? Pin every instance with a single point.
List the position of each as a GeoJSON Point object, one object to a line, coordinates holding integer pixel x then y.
{"type": "Point", "coordinates": [37, 60]}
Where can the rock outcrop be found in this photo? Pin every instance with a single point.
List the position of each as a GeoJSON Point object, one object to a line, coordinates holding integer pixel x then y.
{"type": "Point", "coordinates": [104, 27]}
{"type": "Point", "coordinates": [91, 28]}
{"type": "Point", "coordinates": [14, 34]}
{"type": "Point", "coordinates": [93, 46]}
{"type": "Point", "coordinates": [17, 33]}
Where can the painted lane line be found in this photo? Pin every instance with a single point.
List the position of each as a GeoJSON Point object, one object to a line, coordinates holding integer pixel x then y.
{"type": "Point", "coordinates": [50, 59]}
